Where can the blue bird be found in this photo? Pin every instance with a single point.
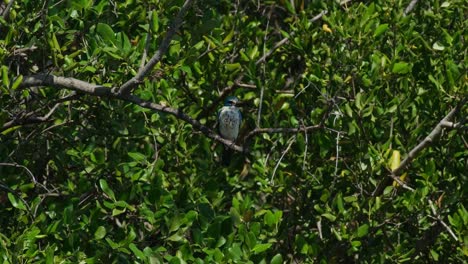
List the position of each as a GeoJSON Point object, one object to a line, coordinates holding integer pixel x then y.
{"type": "Point", "coordinates": [229, 120]}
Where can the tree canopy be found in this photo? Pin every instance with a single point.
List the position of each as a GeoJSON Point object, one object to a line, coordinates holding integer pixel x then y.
{"type": "Point", "coordinates": [352, 148]}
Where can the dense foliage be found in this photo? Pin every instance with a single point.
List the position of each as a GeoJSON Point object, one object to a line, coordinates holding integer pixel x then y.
{"type": "Point", "coordinates": [94, 179]}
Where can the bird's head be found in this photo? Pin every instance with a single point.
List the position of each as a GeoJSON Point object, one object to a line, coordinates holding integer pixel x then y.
{"type": "Point", "coordinates": [231, 101]}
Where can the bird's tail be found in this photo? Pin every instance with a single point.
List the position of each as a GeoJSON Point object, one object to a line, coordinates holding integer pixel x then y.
{"type": "Point", "coordinates": [226, 156]}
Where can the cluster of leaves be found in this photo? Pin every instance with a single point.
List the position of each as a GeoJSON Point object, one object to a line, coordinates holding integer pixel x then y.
{"type": "Point", "coordinates": [101, 180]}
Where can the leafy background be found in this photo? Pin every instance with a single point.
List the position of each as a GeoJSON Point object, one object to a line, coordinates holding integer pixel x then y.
{"type": "Point", "coordinates": [102, 180]}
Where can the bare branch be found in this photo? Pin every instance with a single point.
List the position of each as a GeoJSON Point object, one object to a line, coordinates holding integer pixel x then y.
{"type": "Point", "coordinates": [275, 47]}
{"type": "Point", "coordinates": [127, 87]}
{"type": "Point", "coordinates": [426, 142]}
{"type": "Point", "coordinates": [438, 218]}
{"type": "Point", "coordinates": [23, 121]}
{"type": "Point", "coordinates": [181, 115]}
{"type": "Point", "coordinates": [415, 151]}
{"type": "Point", "coordinates": [147, 46]}
{"type": "Point", "coordinates": [65, 82]}
{"type": "Point", "coordinates": [228, 89]}
{"type": "Point", "coordinates": [410, 7]}
{"type": "Point", "coordinates": [16, 165]}
{"type": "Point", "coordinates": [291, 141]}
{"type": "Point", "coordinates": [96, 90]}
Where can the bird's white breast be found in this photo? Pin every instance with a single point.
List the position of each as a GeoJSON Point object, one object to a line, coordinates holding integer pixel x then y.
{"type": "Point", "coordinates": [229, 122]}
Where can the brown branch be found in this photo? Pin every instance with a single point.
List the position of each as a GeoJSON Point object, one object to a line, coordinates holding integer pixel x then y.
{"type": "Point", "coordinates": [65, 82]}
{"type": "Point", "coordinates": [127, 87]}
{"type": "Point", "coordinates": [416, 150]}
{"type": "Point", "coordinates": [100, 91]}
{"type": "Point", "coordinates": [426, 142]}
{"type": "Point", "coordinates": [180, 115]}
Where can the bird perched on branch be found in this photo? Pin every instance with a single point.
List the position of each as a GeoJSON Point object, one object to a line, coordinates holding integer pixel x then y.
{"type": "Point", "coordinates": [229, 120]}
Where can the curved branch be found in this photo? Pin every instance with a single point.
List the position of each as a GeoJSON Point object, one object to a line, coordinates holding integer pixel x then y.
{"type": "Point", "coordinates": [433, 135]}
{"type": "Point", "coordinates": [97, 90]}
{"type": "Point", "coordinates": [65, 82]}
{"type": "Point", "coordinates": [180, 115]}
{"type": "Point", "coordinates": [127, 87]}
{"type": "Point", "coordinates": [426, 142]}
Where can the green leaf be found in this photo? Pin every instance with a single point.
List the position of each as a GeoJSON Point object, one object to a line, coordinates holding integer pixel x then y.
{"type": "Point", "coordinates": [175, 237]}
{"type": "Point", "coordinates": [136, 251]}
{"type": "Point", "coordinates": [17, 203]}
{"type": "Point", "coordinates": [277, 259]}
{"type": "Point", "coordinates": [438, 46]}
{"type": "Point", "coordinates": [106, 189]}
{"type": "Point", "coordinates": [329, 216]}
{"type": "Point", "coordinates": [55, 44]}
{"type": "Point", "coordinates": [401, 67]}
{"type": "Point", "coordinates": [116, 211]}
{"type": "Point", "coordinates": [106, 32]}
{"type": "Point", "coordinates": [363, 230]}
{"type": "Point", "coordinates": [380, 30]}
{"type": "Point", "coordinates": [136, 156]}
{"type": "Point", "coordinates": [155, 21]}
{"type": "Point", "coordinates": [348, 110]}
{"type": "Point", "coordinates": [356, 243]}
{"type": "Point", "coordinates": [17, 82]}
{"type": "Point", "coordinates": [100, 233]}
{"type": "Point", "coordinates": [259, 248]}
{"type": "Point", "coordinates": [235, 252]}
{"type": "Point", "coordinates": [359, 99]}
{"type": "Point", "coordinates": [228, 36]}
{"type": "Point", "coordinates": [232, 66]}
{"type": "Point", "coordinates": [339, 203]}
{"type": "Point", "coordinates": [272, 219]}
{"type": "Point", "coordinates": [5, 79]}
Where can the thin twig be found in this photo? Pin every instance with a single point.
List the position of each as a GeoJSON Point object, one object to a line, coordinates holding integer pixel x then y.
{"type": "Point", "coordinates": [28, 119]}
{"type": "Point", "coordinates": [127, 87]}
{"type": "Point", "coordinates": [305, 148]}
{"type": "Point", "coordinates": [438, 218]}
{"type": "Point", "coordinates": [228, 89]}
{"type": "Point", "coordinates": [101, 91]}
{"type": "Point", "coordinates": [147, 44]}
{"type": "Point", "coordinates": [291, 141]}
{"type": "Point", "coordinates": [410, 7]}
{"type": "Point", "coordinates": [22, 167]}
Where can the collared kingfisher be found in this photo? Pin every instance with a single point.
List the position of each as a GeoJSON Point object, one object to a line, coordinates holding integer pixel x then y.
{"type": "Point", "coordinates": [229, 120]}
